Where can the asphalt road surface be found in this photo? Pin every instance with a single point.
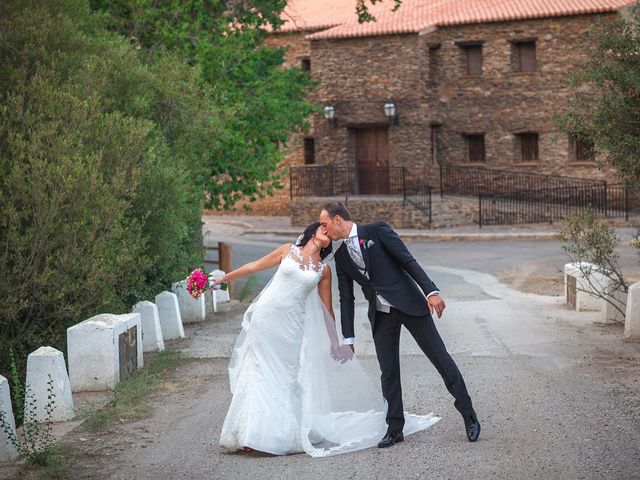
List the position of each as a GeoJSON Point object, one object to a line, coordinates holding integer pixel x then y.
{"type": "Point", "coordinates": [556, 391]}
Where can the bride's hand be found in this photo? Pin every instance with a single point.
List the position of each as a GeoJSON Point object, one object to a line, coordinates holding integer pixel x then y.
{"type": "Point", "coordinates": [341, 353]}
{"type": "Point", "coordinates": [216, 282]}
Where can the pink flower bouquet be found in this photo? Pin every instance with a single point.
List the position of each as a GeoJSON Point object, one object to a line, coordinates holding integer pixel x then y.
{"type": "Point", "coordinates": [197, 283]}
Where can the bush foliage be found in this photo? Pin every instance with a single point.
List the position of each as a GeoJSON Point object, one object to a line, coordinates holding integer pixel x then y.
{"type": "Point", "coordinates": [99, 171]}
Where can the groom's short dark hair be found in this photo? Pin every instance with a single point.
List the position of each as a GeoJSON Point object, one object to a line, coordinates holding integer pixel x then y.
{"type": "Point", "coordinates": [336, 208]}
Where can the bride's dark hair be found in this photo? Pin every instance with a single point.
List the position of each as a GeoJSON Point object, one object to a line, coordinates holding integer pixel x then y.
{"type": "Point", "coordinates": [308, 234]}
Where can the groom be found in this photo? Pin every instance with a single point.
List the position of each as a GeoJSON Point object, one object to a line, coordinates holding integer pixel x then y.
{"type": "Point", "coordinates": [395, 286]}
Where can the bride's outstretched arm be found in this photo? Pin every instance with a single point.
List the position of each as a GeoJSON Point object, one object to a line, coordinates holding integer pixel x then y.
{"type": "Point", "coordinates": [268, 261]}
{"type": "Point", "coordinates": [324, 290]}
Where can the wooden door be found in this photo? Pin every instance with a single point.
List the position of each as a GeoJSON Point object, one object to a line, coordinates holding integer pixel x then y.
{"type": "Point", "coordinates": [372, 160]}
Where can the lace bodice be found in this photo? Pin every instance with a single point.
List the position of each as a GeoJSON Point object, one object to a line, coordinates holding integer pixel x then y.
{"type": "Point", "coordinates": [294, 280]}
{"type": "Point", "coordinates": [305, 264]}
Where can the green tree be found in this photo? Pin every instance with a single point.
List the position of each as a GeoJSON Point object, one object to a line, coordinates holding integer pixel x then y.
{"type": "Point", "coordinates": [609, 114]}
{"type": "Point", "coordinates": [258, 103]}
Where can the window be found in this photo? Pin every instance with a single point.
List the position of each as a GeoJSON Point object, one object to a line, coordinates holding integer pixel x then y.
{"type": "Point", "coordinates": [475, 148]}
{"type": "Point", "coordinates": [309, 151]}
{"type": "Point", "coordinates": [305, 64]}
{"type": "Point", "coordinates": [524, 56]}
{"type": "Point", "coordinates": [528, 143]}
{"type": "Point", "coordinates": [473, 55]}
{"type": "Point", "coordinates": [434, 62]}
{"type": "Point", "coordinates": [436, 132]}
{"type": "Point", "coordinates": [581, 150]}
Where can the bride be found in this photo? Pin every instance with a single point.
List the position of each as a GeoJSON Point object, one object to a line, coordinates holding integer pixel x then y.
{"type": "Point", "coordinates": [295, 387]}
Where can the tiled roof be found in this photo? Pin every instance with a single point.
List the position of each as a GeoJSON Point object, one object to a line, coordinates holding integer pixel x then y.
{"type": "Point", "coordinates": [338, 19]}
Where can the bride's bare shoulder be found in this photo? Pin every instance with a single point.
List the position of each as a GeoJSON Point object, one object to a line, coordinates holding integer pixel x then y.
{"type": "Point", "coordinates": [284, 248]}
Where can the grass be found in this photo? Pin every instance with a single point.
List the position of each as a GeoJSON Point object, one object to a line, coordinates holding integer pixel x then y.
{"type": "Point", "coordinates": [52, 463]}
{"type": "Point", "coordinates": [130, 398]}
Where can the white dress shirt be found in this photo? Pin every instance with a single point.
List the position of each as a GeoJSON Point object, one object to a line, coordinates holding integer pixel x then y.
{"type": "Point", "coordinates": [382, 305]}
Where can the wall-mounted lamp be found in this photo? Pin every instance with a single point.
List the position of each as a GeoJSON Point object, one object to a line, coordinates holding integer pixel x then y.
{"type": "Point", "coordinates": [330, 114]}
{"type": "Point", "coordinates": [390, 112]}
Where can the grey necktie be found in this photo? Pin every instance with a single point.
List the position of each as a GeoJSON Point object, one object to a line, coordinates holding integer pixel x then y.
{"type": "Point", "coordinates": [356, 255]}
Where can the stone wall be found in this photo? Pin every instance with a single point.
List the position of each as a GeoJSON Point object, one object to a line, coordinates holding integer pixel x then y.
{"type": "Point", "coordinates": [358, 76]}
{"type": "Point", "coordinates": [502, 102]}
{"type": "Point", "coordinates": [425, 75]}
{"type": "Point", "coordinates": [306, 210]}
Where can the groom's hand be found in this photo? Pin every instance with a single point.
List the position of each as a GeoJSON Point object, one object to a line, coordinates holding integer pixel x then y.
{"type": "Point", "coordinates": [436, 304]}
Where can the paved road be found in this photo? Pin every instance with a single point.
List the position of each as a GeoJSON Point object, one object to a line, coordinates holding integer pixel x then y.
{"type": "Point", "coordinates": [556, 392]}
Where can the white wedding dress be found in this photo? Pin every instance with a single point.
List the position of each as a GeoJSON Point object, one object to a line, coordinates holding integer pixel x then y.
{"type": "Point", "coordinates": [295, 388]}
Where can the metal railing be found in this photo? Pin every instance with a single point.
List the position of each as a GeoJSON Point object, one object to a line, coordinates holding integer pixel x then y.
{"type": "Point", "coordinates": [548, 205]}
{"type": "Point", "coordinates": [464, 181]}
{"type": "Point", "coordinates": [361, 182]}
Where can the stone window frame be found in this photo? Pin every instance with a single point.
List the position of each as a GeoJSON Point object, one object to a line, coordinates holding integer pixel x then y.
{"type": "Point", "coordinates": [467, 137]}
{"type": "Point", "coordinates": [309, 149]}
{"type": "Point", "coordinates": [577, 145]}
{"type": "Point", "coordinates": [465, 47]}
{"type": "Point", "coordinates": [305, 63]}
{"type": "Point", "coordinates": [435, 60]}
{"type": "Point", "coordinates": [516, 60]}
{"type": "Point", "coordinates": [519, 147]}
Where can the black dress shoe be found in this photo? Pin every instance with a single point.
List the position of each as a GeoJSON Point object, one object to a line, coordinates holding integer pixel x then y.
{"type": "Point", "coordinates": [472, 426]}
{"type": "Point", "coordinates": [390, 438]}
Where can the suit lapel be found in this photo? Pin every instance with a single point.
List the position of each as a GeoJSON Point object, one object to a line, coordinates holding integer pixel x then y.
{"type": "Point", "coordinates": [342, 250]}
{"type": "Point", "coordinates": [362, 235]}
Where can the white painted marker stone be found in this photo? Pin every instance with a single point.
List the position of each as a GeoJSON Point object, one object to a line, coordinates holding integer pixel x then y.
{"type": "Point", "coordinates": [169, 316]}
{"type": "Point", "coordinates": [588, 280]}
{"type": "Point", "coordinates": [632, 317]}
{"type": "Point", "coordinates": [44, 364]}
{"type": "Point", "coordinates": [191, 310]}
{"type": "Point", "coordinates": [7, 450]}
{"type": "Point", "coordinates": [94, 350]}
{"type": "Point", "coordinates": [151, 330]}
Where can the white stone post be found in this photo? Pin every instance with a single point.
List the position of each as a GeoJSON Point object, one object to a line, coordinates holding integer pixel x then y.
{"type": "Point", "coordinates": [7, 450]}
{"type": "Point", "coordinates": [191, 310]}
{"type": "Point", "coordinates": [94, 350]}
{"type": "Point", "coordinates": [44, 363]}
{"type": "Point", "coordinates": [169, 315]}
{"type": "Point", "coordinates": [588, 281]}
{"type": "Point", "coordinates": [632, 317]}
{"type": "Point", "coordinates": [151, 330]}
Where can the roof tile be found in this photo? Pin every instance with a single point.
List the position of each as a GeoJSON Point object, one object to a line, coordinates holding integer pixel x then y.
{"type": "Point", "coordinates": [338, 19]}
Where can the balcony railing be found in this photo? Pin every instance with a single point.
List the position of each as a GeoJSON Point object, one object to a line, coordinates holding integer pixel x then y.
{"type": "Point", "coordinates": [361, 182]}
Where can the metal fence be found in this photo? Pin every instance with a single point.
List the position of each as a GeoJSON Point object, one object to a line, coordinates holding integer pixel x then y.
{"type": "Point", "coordinates": [463, 181]}
{"type": "Point", "coordinates": [547, 205]}
{"type": "Point", "coordinates": [361, 182]}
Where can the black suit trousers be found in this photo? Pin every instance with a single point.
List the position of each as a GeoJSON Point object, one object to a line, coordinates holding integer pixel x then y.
{"type": "Point", "coordinates": [386, 337]}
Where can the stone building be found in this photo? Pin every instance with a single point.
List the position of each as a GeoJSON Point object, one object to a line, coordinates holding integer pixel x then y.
{"type": "Point", "coordinates": [471, 85]}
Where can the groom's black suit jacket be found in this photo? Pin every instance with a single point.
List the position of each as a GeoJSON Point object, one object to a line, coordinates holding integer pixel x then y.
{"type": "Point", "coordinates": [393, 273]}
